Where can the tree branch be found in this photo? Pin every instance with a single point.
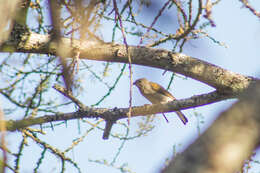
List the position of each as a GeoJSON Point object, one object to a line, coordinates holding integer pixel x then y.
{"type": "Point", "coordinates": [223, 80]}
{"type": "Point", "coordinates": [121, 113]}
{"type": "Point", "coordinates": [227, 143]}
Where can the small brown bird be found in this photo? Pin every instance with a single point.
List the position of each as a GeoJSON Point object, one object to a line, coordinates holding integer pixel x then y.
{"type": "Point", "coordinates": [155, 93]}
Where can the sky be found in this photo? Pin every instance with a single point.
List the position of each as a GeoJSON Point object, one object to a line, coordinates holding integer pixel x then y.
{"type": "Point", "coordinates": [236, 27]}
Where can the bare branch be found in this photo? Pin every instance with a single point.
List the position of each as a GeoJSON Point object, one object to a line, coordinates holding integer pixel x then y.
{"type": "Point", "coordinates": [67, 93]}
{"type": "Point", "coordinates": [247, 5]}
{"type": "Point", "coordinates": [120, 113]}
{"type": "Point", "coordinates": [227, 143]}
{"type": "Point", "coordinates": [217, 77]}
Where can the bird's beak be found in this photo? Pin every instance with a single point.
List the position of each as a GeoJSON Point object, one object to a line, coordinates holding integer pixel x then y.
{"type": "Point", "coordinates": [134, 83]}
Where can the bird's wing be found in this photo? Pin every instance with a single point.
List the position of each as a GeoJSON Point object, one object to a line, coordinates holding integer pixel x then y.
{"type": "Point", "coordinates": [161, 90]}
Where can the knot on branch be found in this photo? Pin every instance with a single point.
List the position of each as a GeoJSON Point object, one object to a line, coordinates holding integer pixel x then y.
{"type": "Point", "coordinates": [110, 119]}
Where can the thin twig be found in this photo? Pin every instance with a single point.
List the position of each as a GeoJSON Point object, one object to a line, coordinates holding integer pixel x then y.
{"type": "Point", "coordinates": [117, 15]}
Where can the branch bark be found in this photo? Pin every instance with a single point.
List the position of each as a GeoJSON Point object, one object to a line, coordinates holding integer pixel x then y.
{"type": "Point", "coordinates": [221, 79]}
{"type": "Point", "coordinates": [120, 113]}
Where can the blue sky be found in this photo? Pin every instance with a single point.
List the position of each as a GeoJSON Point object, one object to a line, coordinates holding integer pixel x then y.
{"type": "Point", "coordinates": [238, 28]}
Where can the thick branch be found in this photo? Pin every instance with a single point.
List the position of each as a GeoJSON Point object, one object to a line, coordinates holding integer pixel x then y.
{"type": "Point", "coordinates": [227, 143]}
{"type": "Point", "coordinates": [120, 113]}
{"type": "Point", "coordinates": [223, 80]}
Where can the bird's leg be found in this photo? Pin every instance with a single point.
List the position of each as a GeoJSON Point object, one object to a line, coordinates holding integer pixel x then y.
{"type": "Point", "coordinates": [165, 118]}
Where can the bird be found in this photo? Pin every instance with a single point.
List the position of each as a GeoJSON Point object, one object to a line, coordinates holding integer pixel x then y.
{"type": "Point", "coordinates": [155, 93]}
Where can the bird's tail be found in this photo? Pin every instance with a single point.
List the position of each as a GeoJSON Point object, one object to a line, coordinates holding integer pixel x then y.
{"type": "Point", "coordinates": [182, 117]}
